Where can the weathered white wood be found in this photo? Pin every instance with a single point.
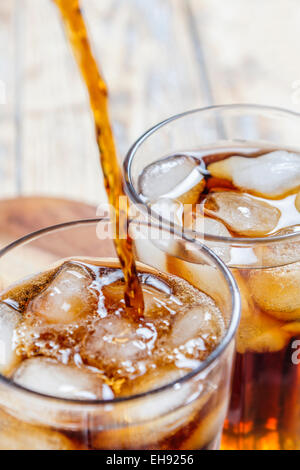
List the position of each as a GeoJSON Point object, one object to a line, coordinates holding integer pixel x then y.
{"type": "Point", "coordinates": [59, 155]}
{"type": "Point", "coordinates": [252, 49]}
{"type": "Point", "coordinates": [151, 59]}
{"type": "Point", "coordinates": [146, 54]}
{"type": "Point", "coordinates": [145, 51]}
{"type": "Point", "coordinates": [8, 181]}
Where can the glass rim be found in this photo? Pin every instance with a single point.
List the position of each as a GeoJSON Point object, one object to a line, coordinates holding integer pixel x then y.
{"type": "Point", "coordinates": [137, 200]}
{"type": "Point", "coordinates": [221, 347]}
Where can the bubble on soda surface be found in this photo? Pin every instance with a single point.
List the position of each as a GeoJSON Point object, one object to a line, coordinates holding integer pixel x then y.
{"type": "Point", "coordinates": [174, 177]}
{"type": "Point", "coordinates": [67, 297]}
{"type": "Point", "coordinates": [241, 213]}
{"type": "Point", "coordinates": [276, 290]}
{"type": "Point", "coordinates": [270, 175]}
{"type": "Point", "coordinates": [9, 319]}
{"type": "Point", "coordinates": [49, 377]}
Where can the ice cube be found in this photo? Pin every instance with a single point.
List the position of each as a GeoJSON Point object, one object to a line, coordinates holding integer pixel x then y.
{"type": "Point", "coordinates": [9, 318]}
{"type": "Point", "coordinates": [208, 226]}
{"type": "Point", "coordinates": [155, 417]}
{"type": "Point", "coordinates": [67, 298]}
{"type": "Point", "coordinates": [118, 344]}
{"type": "Point", "coordinates": [16, 434]}
{"type": "Point", "coordinates": [200, 322]}
{"type": "Point", "coordinates": [146, 251]}
{"type": "Point", "coordinates": [282, 252]}
{"type": "Point", "coordinates": [209, 427]}
{"type": "Point", "coordinates": [151, 243]}
{"type": "Point", "coordinates": [150, 254]}
{"type": "Point", "coordinates": [169, 209]}
{"type": "Point", "coordinates": [257, 332]}
{"type": "Point", "coordinates": [270, 175]}
{"type": "Point", "coordinates": [47, 376]}
{"type": "Point", "coordinates": [276, 290]}
{"type": "Point", "coordinates": [156, 378]}
{"type": "Point", "coordinates": [175, 177]}
{"type": "Point", "coordinates": [215, 227]}
{"type": "Point", "coordinates": [206, 278]}
{"type": "Point", "coordinates": [243, 214]}
{"type": "Point", "coordinates": [260, 333]}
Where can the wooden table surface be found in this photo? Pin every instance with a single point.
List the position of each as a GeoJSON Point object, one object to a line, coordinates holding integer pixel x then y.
{"type": "Point", "coordinates": [159, 57]}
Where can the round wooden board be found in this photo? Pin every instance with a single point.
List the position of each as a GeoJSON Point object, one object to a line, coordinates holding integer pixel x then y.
{"type": "Point", "coordinates": [24, 215]}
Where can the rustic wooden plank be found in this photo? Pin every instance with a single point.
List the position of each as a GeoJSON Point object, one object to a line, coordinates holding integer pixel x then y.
{"type": "Point", "coordinates": [251, 49]}
{"type": "Point", "coordinates": [8, 183]}
{"type": "Point", "coordinates": [20, 216]}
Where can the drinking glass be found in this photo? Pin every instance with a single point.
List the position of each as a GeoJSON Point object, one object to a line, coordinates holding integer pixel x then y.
{"type": "Point", "coordinates": [265, 408]}
{"type": "Point", "coordinates": [187, 413]}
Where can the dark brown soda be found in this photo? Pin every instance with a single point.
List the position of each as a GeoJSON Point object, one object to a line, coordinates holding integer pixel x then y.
{"type": "Point", "coordinates": [264, 407]}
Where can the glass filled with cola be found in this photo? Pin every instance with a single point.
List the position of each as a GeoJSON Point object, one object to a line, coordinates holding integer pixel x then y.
{"type": "Point", "coordinates": [230, 175]}
{"type": "Point", "coordinates": [78, 371]}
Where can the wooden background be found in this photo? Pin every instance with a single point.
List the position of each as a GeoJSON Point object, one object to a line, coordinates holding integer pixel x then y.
{"type": "Point", "coordinates": [159, 57]}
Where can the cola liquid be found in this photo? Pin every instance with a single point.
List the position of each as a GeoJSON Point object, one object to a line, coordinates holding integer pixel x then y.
{"type": "Point", "coordinates": [68, 337]}
{"type": "Point", "coordinates": [250, 193]}
{"type": "Point", "coordinates": [77, 35]}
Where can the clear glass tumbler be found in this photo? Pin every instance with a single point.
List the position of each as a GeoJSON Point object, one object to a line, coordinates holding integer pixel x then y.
{"type": "Point", "coordinates": [185, 414]}
{"type": "Point", "coordinates": [265, 406]}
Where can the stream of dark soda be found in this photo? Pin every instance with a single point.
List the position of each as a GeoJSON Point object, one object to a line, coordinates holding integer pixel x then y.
{"type": "Point", "coordinates": [98, 93]}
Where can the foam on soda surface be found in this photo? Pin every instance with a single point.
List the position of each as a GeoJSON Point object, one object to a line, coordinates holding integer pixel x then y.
{"type": "Point", "coordinates": [73, 337]}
